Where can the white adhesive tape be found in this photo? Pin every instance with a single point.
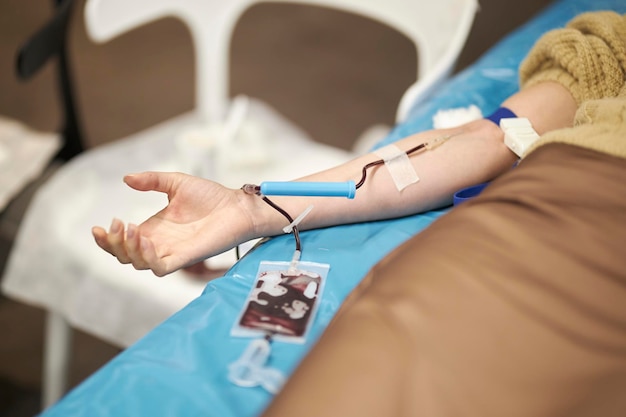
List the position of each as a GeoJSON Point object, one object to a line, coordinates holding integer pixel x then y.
{"type": "Point", "coordinates": [399, 166]}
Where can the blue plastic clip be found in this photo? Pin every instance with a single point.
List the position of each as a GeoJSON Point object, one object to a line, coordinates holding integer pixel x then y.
{"type": "Point", "coordinates": [312, 189]}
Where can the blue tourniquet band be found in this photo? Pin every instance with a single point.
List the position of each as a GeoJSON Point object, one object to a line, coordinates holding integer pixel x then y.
{"type": "Point", "coordinates": [468, 193]}
{"type": "Point", "coordinates": [501, 113]}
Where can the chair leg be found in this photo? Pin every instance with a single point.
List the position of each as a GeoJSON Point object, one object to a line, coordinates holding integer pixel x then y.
{"type": "Point", "coordinates": [57, 352]}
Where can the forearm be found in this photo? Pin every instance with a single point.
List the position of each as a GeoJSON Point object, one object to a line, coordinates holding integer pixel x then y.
{"type": "Point", "coordinates": [476, 153]}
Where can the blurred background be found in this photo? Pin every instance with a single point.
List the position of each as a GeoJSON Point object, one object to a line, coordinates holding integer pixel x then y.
{"type": "Point", "coordinates": [331, 73]}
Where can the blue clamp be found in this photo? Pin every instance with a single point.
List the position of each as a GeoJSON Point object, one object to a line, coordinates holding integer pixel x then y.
{"type": "Point", "coordinates": [312, 189]}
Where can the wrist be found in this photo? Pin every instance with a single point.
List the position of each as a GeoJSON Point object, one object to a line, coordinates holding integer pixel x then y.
{"type": "Point", "coordinates": [264, 220]}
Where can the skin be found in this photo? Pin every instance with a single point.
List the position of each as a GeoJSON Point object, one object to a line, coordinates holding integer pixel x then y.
{"type": "Point", "coordinates": [203, 218]}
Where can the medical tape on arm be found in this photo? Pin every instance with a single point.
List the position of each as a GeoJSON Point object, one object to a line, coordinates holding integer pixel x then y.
{"type": "Point", "coordinates": [399, 166]}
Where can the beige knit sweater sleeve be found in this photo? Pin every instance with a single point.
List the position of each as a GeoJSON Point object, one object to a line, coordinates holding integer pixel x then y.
{"type": "Point", "coordinates": [588, 57]}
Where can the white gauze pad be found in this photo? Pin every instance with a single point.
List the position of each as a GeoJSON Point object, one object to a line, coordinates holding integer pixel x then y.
{"type": "Point", "coordinates": [399, 166]}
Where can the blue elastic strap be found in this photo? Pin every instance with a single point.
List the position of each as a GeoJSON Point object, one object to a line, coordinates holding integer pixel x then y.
{"type": "Point", "coordinates": [468, 193]}
{"type": "Point", "coordinates": [501, 113]}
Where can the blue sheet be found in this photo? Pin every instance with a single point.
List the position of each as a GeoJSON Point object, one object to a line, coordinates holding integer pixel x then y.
{"type": "Point", "coordinates": [180, 368]}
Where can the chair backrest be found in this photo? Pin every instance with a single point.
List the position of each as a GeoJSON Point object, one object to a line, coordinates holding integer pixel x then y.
{"type": "Point", "coordinates": [437, 28]}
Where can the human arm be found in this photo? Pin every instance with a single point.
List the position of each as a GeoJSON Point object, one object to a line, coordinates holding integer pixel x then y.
{"type": "Point", "coordinates": [476, 153]}
{"type": "Point", "coordinates": [203, 218]}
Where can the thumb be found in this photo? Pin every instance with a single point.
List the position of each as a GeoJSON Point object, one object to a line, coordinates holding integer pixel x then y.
{"type": "Point", "coordinates": [164, 182]}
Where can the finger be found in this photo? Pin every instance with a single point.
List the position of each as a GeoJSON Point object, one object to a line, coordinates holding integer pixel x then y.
{"type": "Point", "coordinates": [100, 236]}
{"type": "Point", "coordinates": [140, 181]}
{"type": "Point", "coordinates": [133, 247]}
{"type": "Point", "coordinates": [116, 241]}
{"type": "Point", "coordinates": [151, 258]}
{"type": "Point", "coordinates": [153, 181]}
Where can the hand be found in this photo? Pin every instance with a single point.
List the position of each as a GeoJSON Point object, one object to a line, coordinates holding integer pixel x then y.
{"type": "Point", "coordinates": [201, 219]}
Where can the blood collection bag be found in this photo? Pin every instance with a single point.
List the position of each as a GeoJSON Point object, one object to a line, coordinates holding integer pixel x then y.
{"type": "Point", "coordinates": [283, 301]}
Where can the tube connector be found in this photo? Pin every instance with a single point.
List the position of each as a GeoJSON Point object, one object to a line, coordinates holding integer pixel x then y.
{"type": "Point", "coordinates": [437, 141]}
{"type": "Point", "coordinates": [251, 189]}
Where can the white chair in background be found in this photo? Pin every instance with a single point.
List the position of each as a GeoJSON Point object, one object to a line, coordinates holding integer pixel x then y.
{"type": "Point", "coordinates": [54, 263]}
{"type": "Point", "coordinates": [437, 28]}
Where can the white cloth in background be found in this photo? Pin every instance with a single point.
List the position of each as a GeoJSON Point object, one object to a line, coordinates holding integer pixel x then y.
{"type": "Point", "coordinates": [24, 154]}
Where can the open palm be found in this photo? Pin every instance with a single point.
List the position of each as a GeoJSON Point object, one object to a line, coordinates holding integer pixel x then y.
{"type": "Point", "coordinates": [202, 219]}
